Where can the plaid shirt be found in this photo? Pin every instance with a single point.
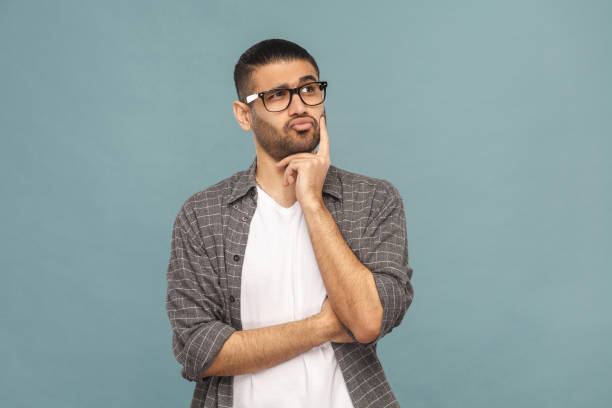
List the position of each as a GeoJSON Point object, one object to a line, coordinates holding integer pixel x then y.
{"type": "Point", "coordinates": [209, 238]}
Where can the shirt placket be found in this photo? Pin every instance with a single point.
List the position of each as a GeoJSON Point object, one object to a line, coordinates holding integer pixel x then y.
{"type": "Point", "coordinates": [241, 214]}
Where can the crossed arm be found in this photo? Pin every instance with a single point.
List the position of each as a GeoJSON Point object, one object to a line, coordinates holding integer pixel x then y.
{"type": "Point", "coordinates": [371, 292]}
{"type": "Point", "coordinates": [368, 299]}
{"type": "Point", "coordinates": [246, 351]}
{"type": "Point", "coordinates": [349, 284]}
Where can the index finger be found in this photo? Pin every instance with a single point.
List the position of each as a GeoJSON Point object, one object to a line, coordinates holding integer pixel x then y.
{"type": "Point", "coordinates": [324, 140]}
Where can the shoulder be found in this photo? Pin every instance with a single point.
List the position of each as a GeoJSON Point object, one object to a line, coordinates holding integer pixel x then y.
{"type": "Point", "coordinates": [205, 207]}
{"type": "Point", "coordinates": [367, 202]}
{"type": "Point", "coordinates": [359, 187]}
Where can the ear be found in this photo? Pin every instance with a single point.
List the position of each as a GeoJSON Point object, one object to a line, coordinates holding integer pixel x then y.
{"type": "Point", "coordinates": [242, 114]}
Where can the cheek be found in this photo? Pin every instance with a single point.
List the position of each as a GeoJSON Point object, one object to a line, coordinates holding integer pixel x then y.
{"type": "Point", "coordinates": [272, 124]}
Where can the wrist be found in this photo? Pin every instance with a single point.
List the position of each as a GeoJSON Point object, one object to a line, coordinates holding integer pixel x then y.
{"type": "Point", "coordinates": [323, 328]}
{"type": "Point", "coordinates": [313, 205]}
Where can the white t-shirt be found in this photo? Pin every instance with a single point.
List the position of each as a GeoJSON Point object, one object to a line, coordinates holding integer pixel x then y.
{"type": "Point", "coordinates": [281, 283]}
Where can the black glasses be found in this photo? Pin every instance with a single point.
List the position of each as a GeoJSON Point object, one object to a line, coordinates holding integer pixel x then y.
{"type": "Point", "coordinates": [278, 99]}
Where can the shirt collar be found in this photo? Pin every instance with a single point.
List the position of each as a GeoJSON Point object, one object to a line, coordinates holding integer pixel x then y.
{"type": "Point", "coordinates": [244, 181]}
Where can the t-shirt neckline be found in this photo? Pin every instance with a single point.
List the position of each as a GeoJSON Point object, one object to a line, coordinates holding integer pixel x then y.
{"type": "Point", "coordinates": [274, 203]}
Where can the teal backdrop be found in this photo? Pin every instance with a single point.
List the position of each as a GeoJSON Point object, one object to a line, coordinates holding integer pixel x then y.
{"type": "Point", "coordinates": [492, 118]}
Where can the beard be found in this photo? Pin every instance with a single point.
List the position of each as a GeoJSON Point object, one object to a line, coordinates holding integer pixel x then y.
{"type": "Point", "coordinates": [282, 143]}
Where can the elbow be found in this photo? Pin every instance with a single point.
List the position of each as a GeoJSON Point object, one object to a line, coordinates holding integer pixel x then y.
{"type": "Point", "coordinates": [210, 371]}
{"type": "Point", "coordinates": [370, 329]}
{"type": "Point", "coordinates": [366, 337]}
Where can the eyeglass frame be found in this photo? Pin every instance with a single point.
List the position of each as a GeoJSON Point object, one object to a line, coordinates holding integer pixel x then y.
{"type": "Point", "coordinates": [259, 95]}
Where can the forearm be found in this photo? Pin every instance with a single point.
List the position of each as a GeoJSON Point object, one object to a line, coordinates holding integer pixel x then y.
{"type": "Point", "coordinates": [350, 285]}
{"type": "Point", "coordinates": [247, 351]}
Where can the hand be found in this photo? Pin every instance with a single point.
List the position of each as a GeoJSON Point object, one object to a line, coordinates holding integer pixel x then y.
{"type": "Point", "coordinates": [338, 334]}
{"type": "Point", "coordinates": [308, 170]}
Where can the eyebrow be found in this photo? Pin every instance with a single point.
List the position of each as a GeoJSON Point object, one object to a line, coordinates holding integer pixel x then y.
{"type": "Point", "coordinates": [302, 79]}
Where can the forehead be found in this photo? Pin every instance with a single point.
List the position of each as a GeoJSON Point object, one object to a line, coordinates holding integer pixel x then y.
{"type": "Point", "coordinates": [280, 73]}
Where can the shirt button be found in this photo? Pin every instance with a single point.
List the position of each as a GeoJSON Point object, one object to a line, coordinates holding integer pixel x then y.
{"type": "Point", "coordinates": [236, 258]}
{"type": "Point", "coordinates": [245, 218]}
{"type": "Point", "coordinates": [232, 298]}
{"type": "Point", "coordinates": [236, 206]}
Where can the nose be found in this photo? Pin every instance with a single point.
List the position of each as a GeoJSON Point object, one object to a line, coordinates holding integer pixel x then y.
{"type": "Point", "coordinates": [296, 106]}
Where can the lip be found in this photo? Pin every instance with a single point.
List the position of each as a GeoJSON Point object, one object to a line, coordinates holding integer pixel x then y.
{"type": "Point", "coordinates": [302, 124]}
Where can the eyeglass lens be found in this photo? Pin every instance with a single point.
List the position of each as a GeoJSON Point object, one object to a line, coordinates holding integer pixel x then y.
{"type": "Point", "coordinates": [277, 100]}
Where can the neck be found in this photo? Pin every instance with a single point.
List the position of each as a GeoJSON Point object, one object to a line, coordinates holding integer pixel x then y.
{"type": "Point", "coordinates": [270, 179]}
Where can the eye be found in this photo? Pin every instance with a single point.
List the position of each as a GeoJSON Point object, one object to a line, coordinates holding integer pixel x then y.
{"type": "Point", "coordinates": [308, 88]}
{"type": "Point", "coordinates": [277, 94]}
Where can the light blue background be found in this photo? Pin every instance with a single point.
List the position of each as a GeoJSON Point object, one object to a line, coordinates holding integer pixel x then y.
{"type": "Point", "coordinates": [493, 119]}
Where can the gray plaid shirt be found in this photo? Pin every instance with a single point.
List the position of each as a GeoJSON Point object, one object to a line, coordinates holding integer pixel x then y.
{"type": "Point", "coordinates": [209, 238]}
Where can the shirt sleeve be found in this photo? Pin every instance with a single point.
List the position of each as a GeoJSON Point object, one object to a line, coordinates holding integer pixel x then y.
{"type": "Point", "coordinates": [194, 301]}
{"type": "Point", "coordinates": [384, 249]}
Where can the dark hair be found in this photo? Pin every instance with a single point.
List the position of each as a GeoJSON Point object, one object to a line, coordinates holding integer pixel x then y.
{"type": "Point", "coordinates": [262, 53]}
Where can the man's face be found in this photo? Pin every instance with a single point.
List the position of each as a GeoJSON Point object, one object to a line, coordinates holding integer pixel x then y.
{"type": "Point", "coordinates": [273, 130]}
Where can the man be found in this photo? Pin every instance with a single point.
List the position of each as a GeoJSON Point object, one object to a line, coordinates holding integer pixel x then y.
{"type": "Point", "coordinates": [283, 277]}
